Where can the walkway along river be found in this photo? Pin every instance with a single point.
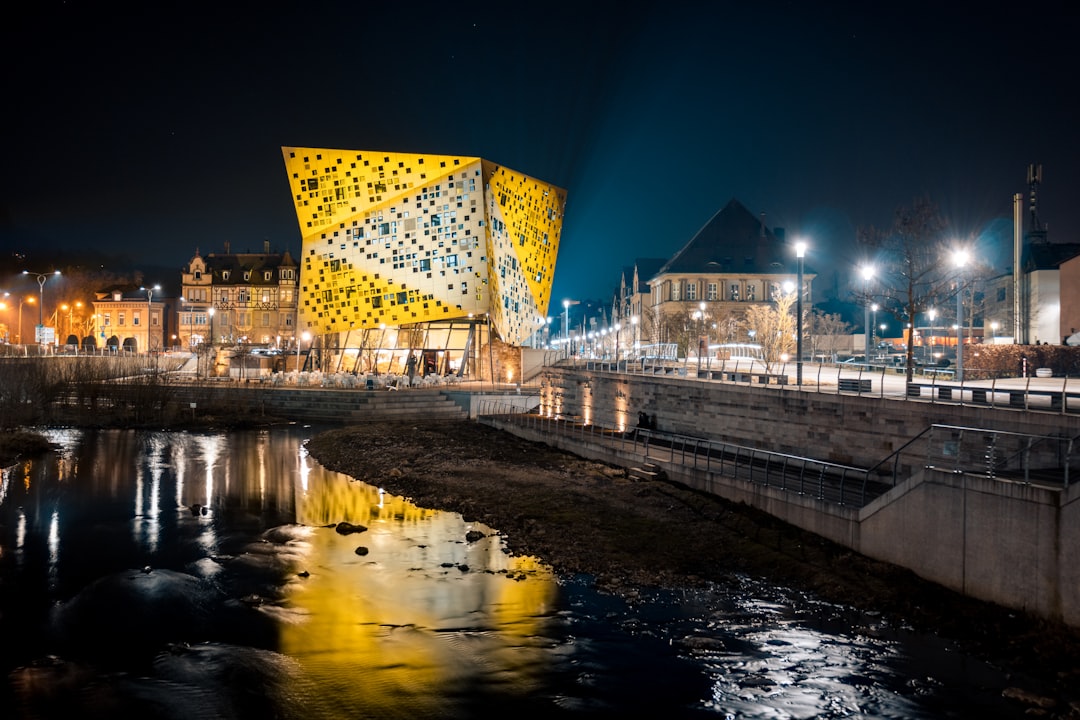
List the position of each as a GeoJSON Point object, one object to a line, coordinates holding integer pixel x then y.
{"type": "Point", "coordinates": [172, 574]}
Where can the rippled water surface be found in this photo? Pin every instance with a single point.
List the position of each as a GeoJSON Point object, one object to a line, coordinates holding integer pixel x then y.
{"type": "Point", "coordinates": [184, 575]}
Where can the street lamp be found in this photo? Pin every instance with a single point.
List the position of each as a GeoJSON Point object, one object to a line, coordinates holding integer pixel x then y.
{"type": "Point", "coordinates": [931, 313]}
{"type": "Point", "coordinates": [873, 327]}
{"type": "Point", "coordinates": [868, 274]}
{"type": "Point", "coordinates": [4, 306]}
{"type": "Point", "coordinates": [800, 253]}
{"type": "Point", "coordinates": [566, 321]}
{"type": "Point", "coordinates": [29, 299]}
{"type": "Point", "coordinates": [305, 336]}
{"type": "Point", "coordinates": [41, 278]}
{"type": "Point", "coordinates": [149, 311]}
{"type": "Point", "coordinates": [994, 327]}
{"type": "Point", "coordinates": [637, 342]}
{"type": "Point", "coordinates": [960, 259]}
{"type": "Point", "coordinates": [210, 311]}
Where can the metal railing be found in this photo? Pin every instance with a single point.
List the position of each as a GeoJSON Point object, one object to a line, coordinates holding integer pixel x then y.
{"type": "Point", "coordinates": [831, 482]}
{"type": "Point", "coordinates": [993, 454]}
{"type": "Point", "coordinates": [927, 385]}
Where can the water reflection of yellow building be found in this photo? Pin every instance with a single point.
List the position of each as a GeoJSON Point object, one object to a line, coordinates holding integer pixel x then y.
{"type": "Point", "coordinates": [421, 609]}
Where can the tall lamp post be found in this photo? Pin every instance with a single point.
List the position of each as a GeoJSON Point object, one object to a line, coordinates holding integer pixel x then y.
{"type": "Point", "coordinates": [960, 259]}
{"type": "Point", "coordinates": [149, 311]}
{"type": "Point", "coordinates": [305, 336]}
{"type": "Point", "coordinates": [4, 306]}
{"type": "Point", "coordinates": [873, 329]}
{"type": "Point", "coordinates": [800, 253]}
{"type": "Point", "coordinates": [868, 275]}
{"type": "Point", "coordinates": [931, 313]}
{"type": "Point", "coordinates": [566, 323]}
{"type": "Point", "coordinates": [41, 278]}
{"type": "Point", "coordinates": [29, 299]}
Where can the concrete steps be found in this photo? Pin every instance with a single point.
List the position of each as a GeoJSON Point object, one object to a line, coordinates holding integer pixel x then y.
{"type": "Point", "coordinates": [333, 405]}
{"type": "Point", "coordinates": [647, 471]}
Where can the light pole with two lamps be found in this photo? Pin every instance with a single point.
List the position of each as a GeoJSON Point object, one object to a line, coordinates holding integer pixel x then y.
{"type": "Point", "coordinates": [41, 278]}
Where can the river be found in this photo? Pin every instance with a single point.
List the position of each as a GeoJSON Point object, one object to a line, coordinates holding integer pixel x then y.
{"type": "Point", "coordinates": [188, 575]}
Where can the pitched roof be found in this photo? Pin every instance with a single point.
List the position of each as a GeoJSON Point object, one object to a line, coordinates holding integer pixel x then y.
{"type": "Point", "coordinates": [646, 271]}
{"type": "Point", "coordinates": [1047, 255]}
{"type": "Point", "coordinates": [733, 241]}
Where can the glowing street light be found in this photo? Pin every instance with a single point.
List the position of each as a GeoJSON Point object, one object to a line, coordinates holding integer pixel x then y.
{"type": "Point", "coordinates": [18, 335]}
{"type": "Point", "coordinates": [305, 336]}
{"type": "Point", "coordinates": [800, 253]}
{"type": "Point", "coordinates": [868, 275]}
{"type": "Point", "coordinates": [960, 259]}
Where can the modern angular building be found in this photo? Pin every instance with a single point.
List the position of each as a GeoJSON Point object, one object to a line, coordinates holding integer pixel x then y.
{"type": "Point", "coordinates": [392, 240]}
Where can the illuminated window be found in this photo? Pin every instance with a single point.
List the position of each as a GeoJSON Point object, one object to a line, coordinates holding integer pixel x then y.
{"type": "Point", "coordinates": [711, 293]}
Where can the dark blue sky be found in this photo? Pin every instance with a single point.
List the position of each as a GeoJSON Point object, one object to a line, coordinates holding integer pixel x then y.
{"type": "Point", "coordinates": [154, 129]}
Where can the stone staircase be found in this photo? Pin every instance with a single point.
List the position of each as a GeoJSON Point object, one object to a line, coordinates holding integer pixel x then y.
{"type": "Point", "coordinates": [327, 405]}
{"type": "Point", "coordinates": [357, 406]}
{"type": "Point", "coordinates": [647, 471]}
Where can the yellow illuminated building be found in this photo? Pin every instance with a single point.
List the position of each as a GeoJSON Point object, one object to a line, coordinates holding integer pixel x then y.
{"type": "Point", "coordinates": [404, 239]}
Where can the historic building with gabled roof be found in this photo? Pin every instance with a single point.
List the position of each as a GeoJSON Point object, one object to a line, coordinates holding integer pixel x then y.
{"type": "Point", "coordinates": [731, 263]}
{"type": "Point", "coordinates": [239, 298]}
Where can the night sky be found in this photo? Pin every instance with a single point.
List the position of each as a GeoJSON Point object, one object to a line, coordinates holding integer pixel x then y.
{"type": "Point", "coordinates": [152, 129]}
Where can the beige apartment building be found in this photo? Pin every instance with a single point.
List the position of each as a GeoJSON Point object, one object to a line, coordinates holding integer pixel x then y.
{"type": "Point", "coordinates": [239, 298]}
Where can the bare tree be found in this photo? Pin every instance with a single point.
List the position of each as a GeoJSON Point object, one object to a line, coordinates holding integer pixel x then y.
{"type": "Point", "coordinates": [828, 329]}
{"type": "Point", "coordinates": [774, 328]}
{"type": "Point", "coordinates": [912, 273]}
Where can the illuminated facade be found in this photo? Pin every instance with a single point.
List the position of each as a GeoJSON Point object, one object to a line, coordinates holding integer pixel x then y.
{"type": "Point", "coordinates": [404, 239]}
{"type": "Point", "coordinates": [235, 298]}
{"type": "Point", "coordinates": [127, 319]}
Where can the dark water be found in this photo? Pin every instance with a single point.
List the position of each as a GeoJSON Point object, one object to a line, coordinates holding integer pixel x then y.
{"type": "Point", "coordinates": [178, 575]}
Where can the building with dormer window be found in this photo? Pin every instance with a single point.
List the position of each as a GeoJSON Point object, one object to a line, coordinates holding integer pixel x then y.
{"type": "Point", "coordinates": [733, 262]}
{"type": "Point", "coordinates": [239, 298]}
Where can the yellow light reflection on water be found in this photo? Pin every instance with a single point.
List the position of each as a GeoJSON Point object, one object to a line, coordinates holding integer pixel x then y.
{"type": "Point", "coordinates": [423, 608]}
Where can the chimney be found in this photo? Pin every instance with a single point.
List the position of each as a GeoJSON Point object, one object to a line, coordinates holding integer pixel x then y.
{"type": "Point", "coordinates": [266, 247]}
{"type": "Point", "coordinates": [226, 247]}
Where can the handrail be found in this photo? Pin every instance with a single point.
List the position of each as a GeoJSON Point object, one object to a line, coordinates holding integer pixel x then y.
{"type": "Point", "coordinates": [763, 466]}
{"type": "Point", "coordinates": [772, 466]}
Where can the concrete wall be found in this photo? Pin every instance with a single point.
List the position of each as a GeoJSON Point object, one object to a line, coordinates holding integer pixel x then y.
{"type": "Point", "coordinates": [846, 429]}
